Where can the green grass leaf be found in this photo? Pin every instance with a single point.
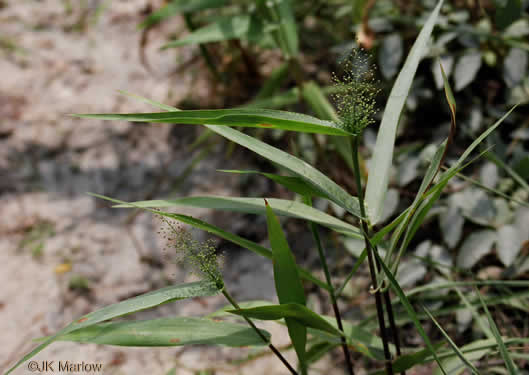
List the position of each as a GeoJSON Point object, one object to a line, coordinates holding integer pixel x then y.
{"type": "Point", "coordinates": [378, 180]}
{"type": "Point", "coordinates": [426, 181]}
{"type": "Point", "coordinates": [407, 361]}
{"type": "Point", "coordinates": [238, 240]}
{"type": "Point", "coordinates": [294, 184]}
{"type": "Point", "coordinates": [295, 311]}
{"type": "Point", "coordinates": [296, 166]}
{"type": "Point", "coordinates": [513, 370]}
{"type": "Point", "coordinates": [317, 100]}
{"type": "Point", "coordinates": [288, 284]}
{"type": "Point", "coordinates": [256, 118]}
{"type": "Point", "coordinates": [287, 281]}
{"type": "Point", "coordinates": [142, 302]}
{"type": "Point", "coordinates": [282, 207]}
{"type": "Point", "coordinates": [473, 352]}
{"type": "Point", "coordinates": [455, 348]}
{"type": "Point", "coordinates": [358, 338]}
{"type": "Point", "coordinates": [449, 94]}
{"type": "Point", "coordinates": [226, 310]}
{"type": "Point", "coordinates": [175, 331]}
{"type": "Point", "coordinates": [287, 36]}
{"type": "Point", "coordinates": [238, 26]}
{"type": "Point", "coordinates": [179, 6]}
{"type": "Point", "coordinates": [425, 200]}
{"type": "Point", "coordinates": [409, 309]}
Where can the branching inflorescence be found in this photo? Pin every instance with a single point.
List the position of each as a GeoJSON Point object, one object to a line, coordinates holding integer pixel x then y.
{"type": "Point", "coordinates": [200, 257]}
{"type": "Point", "coordinates": [355, 102]}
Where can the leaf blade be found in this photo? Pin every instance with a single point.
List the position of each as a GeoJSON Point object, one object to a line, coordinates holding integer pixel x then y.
{"type": "Point", "coordinates": [378, 180]}
{"type": "Point", "coordinates": [288, 284]}
{"type": "Point", "coordinates": [238, 240]}
{"type": "Point", "coordinates": [289, 310]}
{"type": "Point", "coordinates": [175, 331]}
{"type": "Point", "coordinates": [282, 207]}
{"type": "Point", "coordinates": [144, 301]}
{"type": "Point", "coordinates": [257, 118]}
{"type": "Point", "coordinates": [296, 166]}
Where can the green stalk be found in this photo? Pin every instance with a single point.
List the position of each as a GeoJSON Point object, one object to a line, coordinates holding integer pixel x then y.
{"type": "Point", "coordinates": [332, 292]}
{"type": "Point", "coordinates": [392, 325]}
{"type": "Point", "coordinates": [370, 257]}
{"type": "Point", "coordinates": [265, 340]}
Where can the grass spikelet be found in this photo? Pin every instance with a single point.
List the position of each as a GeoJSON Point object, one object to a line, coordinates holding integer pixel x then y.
{"type": "Point", "coordinates": [200, 257]}
{"type": "Point", "coordinates": [356, 105]}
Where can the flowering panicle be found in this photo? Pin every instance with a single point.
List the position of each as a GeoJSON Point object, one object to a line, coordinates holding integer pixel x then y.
{"type": "Point", "coordinates": [200, 256]}
{"type": "Point", "coordinates": [355, 101]}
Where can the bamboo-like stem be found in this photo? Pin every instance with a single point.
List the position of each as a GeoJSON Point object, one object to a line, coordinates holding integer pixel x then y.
{"type": "Point", "coordinates": [265, 340]}
{"type": "Point", "coordinates": [332, 293]}
{"type": "Point", "coordinates": [370, 257]}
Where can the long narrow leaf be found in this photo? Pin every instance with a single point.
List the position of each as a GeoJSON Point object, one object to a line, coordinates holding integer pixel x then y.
{"type": "Point", "coordinates": [298, 167]}
{"type": "Point", "coordinates": [179, 6]}
{"type": "Point", "coordinates": [289, 310]}
{"type": "Point", "coordinates": [408, 361]}
{"type": "Point", "coordinates": [283, 14]}
{"type": "Point", "coordinates": [238, 240]}
{"type": "Point", "coordinates": [455, 348]}
{"type": "Point", "coordinates": [453, 363]}
{"type": "Point", "coordinates": [238, 26]}
{"type": "Point", "coordinates": [176, 331]}
{"type": "Point", "coordinates": [497, 335]}
{"type": "Point", "coordinates": [427, 180]}
{"type": "Point", "coordinates": [282, 207]}
{"type": "Point", "coordinates": [377, 183]}
{"type": "Point", "coordinates": [288, 284]}
{"type": "Point", "coordinates": [142, 302]}
{"type": "Point", "coordinates": [256, 118]}
{"type": "Point", "coordinates": [409, 309]}
{"type": "Point", "coordinates": [294, 184]}
{"type": "Point", "coordinates": [428, 198]}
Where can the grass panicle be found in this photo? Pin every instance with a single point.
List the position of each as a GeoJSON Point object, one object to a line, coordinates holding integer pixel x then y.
{"type": "Point", "coordinates": [355, 103]}
{"type": "Point", "coordinates": [200, 257]}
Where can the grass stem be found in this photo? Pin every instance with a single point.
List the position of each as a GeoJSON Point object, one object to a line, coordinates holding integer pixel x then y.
{"type": "Point", "coordinates": [332, 293]}
{"type": "Point", "coordinates": [392, 325]}
{"type": "Point", "coordinates": [270, 345]}
{"type": "Point", "coordinates": [370, 257]}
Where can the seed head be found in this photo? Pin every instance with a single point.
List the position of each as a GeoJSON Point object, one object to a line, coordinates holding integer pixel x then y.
{"type": "Point", "coordinates": [355, 102]}
{"type": "Point", "coordinates": [200, 256]}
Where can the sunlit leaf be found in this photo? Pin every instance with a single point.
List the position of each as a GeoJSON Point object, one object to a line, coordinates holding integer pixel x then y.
{"type": "Point", "coordinates": [142, 302]}
{"type": "Point", "coordinates": [378, 180]}
{"type": "Point", "coordinates": [176, 331]}
{"type": "Point", "coordinates": [257, 118]}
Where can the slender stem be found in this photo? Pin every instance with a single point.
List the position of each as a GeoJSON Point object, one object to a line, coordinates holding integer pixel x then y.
{"type": "Point", "coordinates": [370, 257]}
{"type": "Point", "coordinates": [332, 293]}
{"type": "Point", "coordinates": [272, 347]}
{"type": "Point", "coordinates": [392, 325]}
